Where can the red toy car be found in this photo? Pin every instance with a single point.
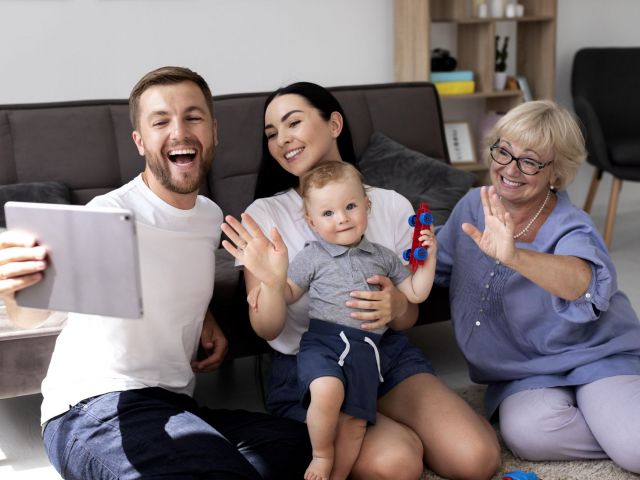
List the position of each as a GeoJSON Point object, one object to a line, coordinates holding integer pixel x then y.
{"type": "Point", "coordinates": [417, 254]}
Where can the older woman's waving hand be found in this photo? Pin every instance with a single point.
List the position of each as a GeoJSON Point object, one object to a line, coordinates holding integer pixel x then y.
{"type": "Point", "coordinates": [565, 276]}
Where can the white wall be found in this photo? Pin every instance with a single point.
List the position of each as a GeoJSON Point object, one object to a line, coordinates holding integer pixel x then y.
{"type": "Point", "coordinates": [54, 50]}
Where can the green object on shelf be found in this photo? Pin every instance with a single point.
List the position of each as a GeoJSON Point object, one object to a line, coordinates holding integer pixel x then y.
{"type": "Point", "coordinates": [501, 53]}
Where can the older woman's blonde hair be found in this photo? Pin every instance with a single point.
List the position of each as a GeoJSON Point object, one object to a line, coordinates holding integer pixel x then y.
{"type": "Point", "coordinates": [547, 128]}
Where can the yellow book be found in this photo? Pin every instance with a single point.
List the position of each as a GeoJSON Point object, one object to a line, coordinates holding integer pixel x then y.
{"type": "Point", "coordinates": [455, 88]}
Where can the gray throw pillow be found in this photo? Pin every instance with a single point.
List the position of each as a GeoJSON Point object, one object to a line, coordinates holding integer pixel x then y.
{"type": "Point", "coordinates": [40, 192]}
{"type": "Point", "coordinates": [389, 164]}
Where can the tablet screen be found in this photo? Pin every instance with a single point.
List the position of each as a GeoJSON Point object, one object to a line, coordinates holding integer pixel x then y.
{"type": "Point", "coordinates": [92, 256]}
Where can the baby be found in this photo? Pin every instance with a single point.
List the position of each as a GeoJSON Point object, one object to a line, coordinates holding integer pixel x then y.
{"type": "Point", "coordinates": [339, 367]}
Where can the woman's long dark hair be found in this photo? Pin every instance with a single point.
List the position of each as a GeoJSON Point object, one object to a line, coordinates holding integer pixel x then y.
{"type": "Point", "coordinates": [272, 178]}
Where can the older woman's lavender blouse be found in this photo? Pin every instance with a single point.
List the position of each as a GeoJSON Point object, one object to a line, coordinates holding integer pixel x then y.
{"type": "Point", "coordinates": [517, 336]}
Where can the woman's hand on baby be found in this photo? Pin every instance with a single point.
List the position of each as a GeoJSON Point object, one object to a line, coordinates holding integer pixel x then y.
{"type": "Point", "coordinates": [267, 259]}
{"type": "Point", "coordinates": [380, 306]}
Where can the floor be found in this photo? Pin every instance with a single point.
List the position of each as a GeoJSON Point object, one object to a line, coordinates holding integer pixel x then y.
{"type": "Point", "coordinates": [21, 452]}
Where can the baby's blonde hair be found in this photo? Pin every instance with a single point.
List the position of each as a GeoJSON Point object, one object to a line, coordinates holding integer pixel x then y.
{"type": "Point", "coordinates": [325, 173]}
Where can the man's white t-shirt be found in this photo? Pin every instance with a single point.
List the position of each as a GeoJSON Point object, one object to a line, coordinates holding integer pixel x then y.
{"type": "Point", "coordinates": [388, 226]}
{"type": "Point", "coordinates": [95, 354]}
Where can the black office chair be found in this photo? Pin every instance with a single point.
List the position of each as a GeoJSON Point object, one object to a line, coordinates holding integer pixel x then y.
{"type": "Point", "coordinates": [605, 84]}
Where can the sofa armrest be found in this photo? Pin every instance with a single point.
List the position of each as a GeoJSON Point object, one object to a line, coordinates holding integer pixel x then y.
{"type": "Point", "coordinates": [24, 360]}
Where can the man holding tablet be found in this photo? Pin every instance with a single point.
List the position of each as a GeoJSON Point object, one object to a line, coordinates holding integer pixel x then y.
{"type": "Point", "coordinates": [117, 396]}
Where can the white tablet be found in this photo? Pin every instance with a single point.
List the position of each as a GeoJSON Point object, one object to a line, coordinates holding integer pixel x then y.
{"type": "Point", "coordinates": [92, 255]}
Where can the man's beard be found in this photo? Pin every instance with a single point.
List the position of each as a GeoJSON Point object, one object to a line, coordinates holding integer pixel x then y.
{"type": "Point", "coordinates": [189, 184]}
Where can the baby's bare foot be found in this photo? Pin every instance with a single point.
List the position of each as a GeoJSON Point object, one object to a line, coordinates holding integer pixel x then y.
{"type": "Point", "coordinates": [319, 469]}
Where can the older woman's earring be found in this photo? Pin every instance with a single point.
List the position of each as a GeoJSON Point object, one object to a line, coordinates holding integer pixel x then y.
{"type": "Point", "coordinates": [552, 188]}
{"type": "Point", "coordinates": [369, 206]}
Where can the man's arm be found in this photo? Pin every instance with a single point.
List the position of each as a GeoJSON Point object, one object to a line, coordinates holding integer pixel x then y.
{"type": "Point", "coordinates": [213, 343]}
{"type": "Point", "coordinates": [24, 317]}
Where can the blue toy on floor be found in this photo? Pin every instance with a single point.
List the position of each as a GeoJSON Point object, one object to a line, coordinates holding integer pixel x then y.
{"type": "Point", "coordinates": [520, 475]}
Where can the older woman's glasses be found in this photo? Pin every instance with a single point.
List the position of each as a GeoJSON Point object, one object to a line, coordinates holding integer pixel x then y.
{"type": "Point", "coordinates": [527, 166]}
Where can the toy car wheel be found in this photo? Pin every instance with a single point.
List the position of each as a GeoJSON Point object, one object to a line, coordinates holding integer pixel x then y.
{"type": "Point", "coordinates": [426, 218]}
{"type": "Point", "coordinates": [406, 255]}
{"type": "Point", "coordinates": [412, 221]}
{"type": "Point", "coordinates": [420, 253]}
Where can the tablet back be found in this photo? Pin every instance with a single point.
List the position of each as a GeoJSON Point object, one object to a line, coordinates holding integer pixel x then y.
{"type": "Point", "coordinates": [92, 255]}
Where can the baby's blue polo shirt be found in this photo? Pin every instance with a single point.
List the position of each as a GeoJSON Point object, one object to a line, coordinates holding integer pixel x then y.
{"type": "Point", "coordinates": [331, 272]}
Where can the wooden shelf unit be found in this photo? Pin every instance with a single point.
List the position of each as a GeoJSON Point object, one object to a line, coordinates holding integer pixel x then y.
{"type": "Point", "coordinates": [535, 46]}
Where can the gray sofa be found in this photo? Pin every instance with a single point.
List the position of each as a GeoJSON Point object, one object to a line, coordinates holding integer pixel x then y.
{"type": "Point", "coordinates": [86, 146]}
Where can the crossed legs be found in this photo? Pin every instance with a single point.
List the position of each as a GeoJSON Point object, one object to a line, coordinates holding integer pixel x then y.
{"type": "Point", "coordinates": [597, 420]}
{"type": "Point", "coordinates": [153, 433]}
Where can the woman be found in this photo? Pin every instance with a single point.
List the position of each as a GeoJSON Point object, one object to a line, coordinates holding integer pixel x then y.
{"type": "Point", "coordinates": [535, 303]}
{"type": "Point", "coordinates": [418, 416]}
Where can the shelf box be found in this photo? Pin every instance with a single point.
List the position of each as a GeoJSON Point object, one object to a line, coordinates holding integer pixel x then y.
{"type": "Point", "coordinates": [484, 95]}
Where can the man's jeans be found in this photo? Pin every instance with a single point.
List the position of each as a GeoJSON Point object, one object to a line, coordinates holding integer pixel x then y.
{"type": "Point", "coordinates": [151, 432]}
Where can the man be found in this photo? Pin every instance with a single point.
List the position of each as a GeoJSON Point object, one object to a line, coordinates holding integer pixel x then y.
{"type": "Point", "coordinates": [117, 396]}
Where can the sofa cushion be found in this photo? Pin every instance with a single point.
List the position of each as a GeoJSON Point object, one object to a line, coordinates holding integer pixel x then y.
{"type": "Point", "coordinates": [388, 164]}
{"type": "Point", "coordinates": [40, 192]}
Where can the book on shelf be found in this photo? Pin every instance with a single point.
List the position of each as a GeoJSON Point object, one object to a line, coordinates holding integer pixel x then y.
{"type": "Point", "coordinates": [452, 76]}
{"type": "Point", "coordinates": [524, 86]}
{"type": "Point", "coordinates": [455, 88]}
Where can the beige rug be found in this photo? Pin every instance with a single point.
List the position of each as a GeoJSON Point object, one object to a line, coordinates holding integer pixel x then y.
{"type": "Point", "coordinates": [573, 470]}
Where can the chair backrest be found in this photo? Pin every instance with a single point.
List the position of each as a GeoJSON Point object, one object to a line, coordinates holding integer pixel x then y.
{"type": "Point", "coordinates": [609, 79]}
{"type": "Point", "coordinates": [606, 98]}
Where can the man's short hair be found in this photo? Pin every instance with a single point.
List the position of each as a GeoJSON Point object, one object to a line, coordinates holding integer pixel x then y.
{"type": "Point", "coordinates": [166, 76]}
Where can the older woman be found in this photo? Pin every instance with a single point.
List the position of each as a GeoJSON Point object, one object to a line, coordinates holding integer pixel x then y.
{"type": "Point", "coordinates": [535, 302]}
